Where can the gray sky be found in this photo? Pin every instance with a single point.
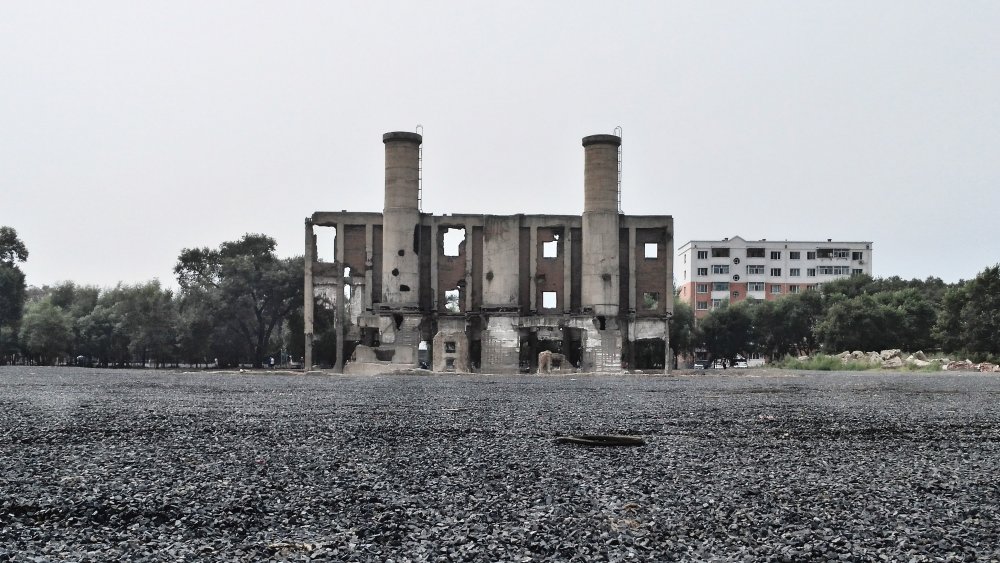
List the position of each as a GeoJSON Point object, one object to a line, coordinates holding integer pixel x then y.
{"type": "Point", "coordinates": [130, 130]}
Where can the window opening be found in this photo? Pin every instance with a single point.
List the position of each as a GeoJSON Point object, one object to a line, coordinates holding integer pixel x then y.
{"type": "Point", "coordinates": [449, 347]}
{"type": "Point", "coordinates": [550, 249]}
{"type": "Point", "coordinates": [326, 243]}
{"type": "Point", "coordinates": [650, 249]}
{"type": "Point", "coordinates": [451, 301]}
{"type": "Point", "coordinates": [755, 253]}
{"type": "Point", "coordinates": [720, 253]}
{"type": "Point", "coordinates": [453, 239]}
{"type": "Point", "coordinates": [650, 300]}
{"type": "Point", "coordinates": [549, 300]}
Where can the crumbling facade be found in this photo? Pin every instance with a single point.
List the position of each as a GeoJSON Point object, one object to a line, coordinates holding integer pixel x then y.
{"type": "Point", "coordinates": [595, 288]}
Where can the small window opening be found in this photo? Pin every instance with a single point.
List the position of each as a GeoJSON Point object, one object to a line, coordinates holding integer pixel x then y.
{"type": "Point", "coordinates": [449, 347]}
{"type": "Point", "coordinates": [449, 363]}
{"type": "Point", "coordinates": [404, 287]}
{"type": "Point", "coordinates": [549, 299]}
{"type": "Point", "coordinates": [551, 249]}
{"type": "Point", "coordinates": [451, 301]}
{"type": "Point", "coordinates": [601, 322]}
{"type": "Point", "coordinates": [398, 320]}
{"type": "Point", "coordinates": [650, 300]}
{"type": "Point", "coordinates": [347, 291]}
{"type": "Point", "coordinates": [395, 271]}
{"type": "Point", "coordinates": [401, 252]}
{"type": "Point", "coordinates": [650, 249]}
{"type": "Point", "coordinates": [347, 271]}
{"type": "Point", "coordinates": [453, 239]}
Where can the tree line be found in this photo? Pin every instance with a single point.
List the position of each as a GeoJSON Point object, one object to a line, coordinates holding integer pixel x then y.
{"type": "Point", "coordinates": [855, 313]}
{"type": "Point", "coordinates": [233, 307]}
{"type": "Point", "coordinates": [242, 304]}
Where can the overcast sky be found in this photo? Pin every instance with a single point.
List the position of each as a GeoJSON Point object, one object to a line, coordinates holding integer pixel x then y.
{"type": "Point", "coordinates": [131, 130]}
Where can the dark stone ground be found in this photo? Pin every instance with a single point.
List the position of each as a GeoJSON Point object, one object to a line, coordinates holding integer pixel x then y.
{"type": "Point", "coordinates": [156, 466]}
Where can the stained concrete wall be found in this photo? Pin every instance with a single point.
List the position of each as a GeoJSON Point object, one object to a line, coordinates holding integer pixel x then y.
{"type": "Point", "coordinates": [500, 261]}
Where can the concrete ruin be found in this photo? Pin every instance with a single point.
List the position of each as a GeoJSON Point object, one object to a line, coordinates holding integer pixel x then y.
{"type": "Point", "coordinates": [596, 288]}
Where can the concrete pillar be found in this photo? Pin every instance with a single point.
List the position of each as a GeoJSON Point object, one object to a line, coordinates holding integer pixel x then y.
{"type": "Point", "coordinates": [567, 269]}
{"type": "Point", "coordinates": [599, 271]}
{"type": "Point", "coordinates": [308, 299]}
{"type": "Point", "coordinates": [401, 220]}
{"type": "Point", "coordinates": [533, 269]}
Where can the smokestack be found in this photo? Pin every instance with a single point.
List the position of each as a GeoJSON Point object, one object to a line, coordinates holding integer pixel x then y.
{"type": "Point", "coordinates": [401, 220]}
{"type": "Point", "coordinates": [600, 224]}
{"type": "Point", "coordinates": [600, 173]}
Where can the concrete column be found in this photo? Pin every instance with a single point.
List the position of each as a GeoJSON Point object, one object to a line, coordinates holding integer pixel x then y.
{"type": "Point", "coordinates": [567, 268]}
{"type": "Point", "coordinates": [400, 220]}
{"type": "Point", "coordinates": [308, 299]}
{"type": "Point", "coordinates": [468, 267]}
{"type": "Point", "coordinates": [369, 260]}
{"type": "Point", "coordinates": [632, 297]}
{"type": "Point", "coordinates": [600, 224]}
{"type": "Point", "coordinates": [339, 310]}
{"type": "Point", "coordinates": [434, 265]}
{"type": "Point", "coordinates": [533, 269]}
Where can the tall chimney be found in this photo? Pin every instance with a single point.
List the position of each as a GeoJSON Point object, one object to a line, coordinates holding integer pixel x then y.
{"type": "Point", "coordinates": [600, 224]}
{"type": "Point", "coordinates": [401, 220]}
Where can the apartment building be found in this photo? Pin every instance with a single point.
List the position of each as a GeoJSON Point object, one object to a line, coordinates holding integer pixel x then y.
{"type": "Point", "coordinates": [712, 272]}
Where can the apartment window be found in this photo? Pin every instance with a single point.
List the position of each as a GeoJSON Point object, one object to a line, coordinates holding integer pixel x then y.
{"type": "Point", "coordinates": [793, 289]}
{"type": "Point", "coordinates": [755, 286]}
{"type": "Point", "coordinates": [857, 256]}
{"type": "Point", "coordinates": [736, 295]}
{"type": "Point", "coordinates": [716, 303]}
{"type": "Point", "coordinates": [775, 289]}
{"type": "Point", "coordinates": [649, 249]}
{"type": "Point", "coordinates": [701, 288]}
{"type": "Point", "coordinates": [702, 255]}
{"type": "Point", "coordinates": [857, 272]}
{"type": "Point", "coordinates": [811, 287]}
{"type": "Point", "coordinates": [702, 271]}
{"type": "Point", "coordinates": [775, 255]}
{"type": "Point", "coordinates": [720, 268]}
{"type": "Point", "coordinates": [841, 270]}
{"type": "Point", "coordinates": [720, 253]}
{"type": "Point", "coordinates": [825, 270]}
{"type": "Point", "coordinates": [755, 253]}
{"type": "Point", "coordinates": [811, 272]}
{"type": "Point", "coordinates": [751, 270]}
{"type": "Point", "coordinates": [720, 286]}
{"type": "Point", "coordinates": [702, 305]}
{"type": "Point", "coordinates": [775, 272]}
{"type": "Point", "coordinates": [794, 255]}
{"type": "Point", "coordinates": [810, 255]}
{"type": "Point", "coordinates": [794, 272]}
{"type": "Point", "coordinates": [840, 253]}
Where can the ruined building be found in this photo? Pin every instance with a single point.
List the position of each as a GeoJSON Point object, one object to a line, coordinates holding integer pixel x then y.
{"type": "Point", "coordinates": [595, 288]}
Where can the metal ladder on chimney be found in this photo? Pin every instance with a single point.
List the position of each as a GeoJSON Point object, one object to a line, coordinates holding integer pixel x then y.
{"type": "Point", "coordinates": [420, 170]}
{"type": "Point", "coordinates": [618, 132]}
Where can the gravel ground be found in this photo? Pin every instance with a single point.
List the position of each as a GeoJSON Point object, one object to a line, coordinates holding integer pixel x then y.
{"type": "Point", "coordinates": [158, 466]}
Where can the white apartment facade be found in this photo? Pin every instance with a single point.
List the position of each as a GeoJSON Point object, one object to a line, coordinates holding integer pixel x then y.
{"type": "Point", "coordinates": [733, 269]}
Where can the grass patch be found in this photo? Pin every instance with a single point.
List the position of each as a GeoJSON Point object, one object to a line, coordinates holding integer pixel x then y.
{"type": "Point", "coordinates": [822, 362]}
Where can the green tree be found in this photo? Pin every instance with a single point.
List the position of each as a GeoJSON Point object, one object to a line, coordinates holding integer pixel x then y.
{"type": "Point", "coordinates": [251, 288]}
{"type": "Point", "coordinates": [683, 332]}
{"type": "Point", "coordinates": [45, 331]}
{"type": "Point", "coordinates": [970, 316]}
{"type": "Point", "coordinates": [148, 318]}
{"type": "Point", "coordinates": [727, 332]}
{"type": "Point", "coordinates": [13, 291]}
